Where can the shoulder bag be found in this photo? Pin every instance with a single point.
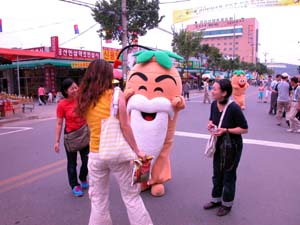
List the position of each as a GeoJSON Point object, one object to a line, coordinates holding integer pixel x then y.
{"type": "Point", "coordinates": [113, 146]}
{"type": "Point", "coordinates": [211, 143]}
{"type": "Point", "coordinates": [77, 139]}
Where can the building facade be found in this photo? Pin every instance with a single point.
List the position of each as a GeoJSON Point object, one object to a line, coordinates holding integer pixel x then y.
{"type": "Point", "coordinates": [234, 37]}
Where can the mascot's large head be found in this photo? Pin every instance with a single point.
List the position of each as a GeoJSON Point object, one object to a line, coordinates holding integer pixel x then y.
{"type": "Point", "coordinates": [239, 78]}
{"type": "Point", "coordinates": [155, 83]}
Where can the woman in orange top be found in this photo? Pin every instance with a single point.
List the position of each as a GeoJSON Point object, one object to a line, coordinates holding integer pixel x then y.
{"type": "Point", "coordinates": [94, 103]}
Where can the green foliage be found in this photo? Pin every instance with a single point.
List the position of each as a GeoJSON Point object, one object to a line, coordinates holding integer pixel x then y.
{"type": "Point", "coordinates": [142, 15]}
{"type": "Point", "coordinates": [186, 43]}
{"type": "Point", "coordinates": [163, 58]}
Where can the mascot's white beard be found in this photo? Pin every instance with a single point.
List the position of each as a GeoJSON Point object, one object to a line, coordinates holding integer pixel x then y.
{"type": "Point", "coordinates": [149, 122]}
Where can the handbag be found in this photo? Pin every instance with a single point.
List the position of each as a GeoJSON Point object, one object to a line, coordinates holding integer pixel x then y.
{"type": "Point", "coordinates": [77, 139]}
{"type": "Point", "coordinates": [228, 152]}
{"type": "Point", "coordinates": [211, 142]}
{"type": "Point", "coordinates": [113, 146]}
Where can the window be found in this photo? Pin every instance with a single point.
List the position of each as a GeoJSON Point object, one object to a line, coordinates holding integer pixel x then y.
{"type": "Point", "coordinates": [230, 43]}
{"type": "Point", "coordinates": [225, 49]}
{"type": "Point", "coordinates": [236, 48]}
{"type": "Point", "coordinates": [230, 49]}
{"type": "Point", "coordinates": [236, 42]}
{"type": "Point", "coordinates": [225, 43]}
{"type": "Point", "coordinates": [218, 44]}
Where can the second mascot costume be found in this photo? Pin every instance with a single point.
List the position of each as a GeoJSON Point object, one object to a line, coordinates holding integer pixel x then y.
{"type": "Point", "coordinates": [153, 93]}
{"type": "Point", "coordinates": [239, 85]}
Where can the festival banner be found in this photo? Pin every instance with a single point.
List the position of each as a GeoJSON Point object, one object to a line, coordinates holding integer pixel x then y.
{"type": "Point", "coordinates": [187, 14]}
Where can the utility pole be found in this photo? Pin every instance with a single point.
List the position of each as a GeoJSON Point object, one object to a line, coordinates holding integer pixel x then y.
{"type": "Point", "coordinates": [265, 55]}
{"type": "Point", "coordinates": [124, 39]}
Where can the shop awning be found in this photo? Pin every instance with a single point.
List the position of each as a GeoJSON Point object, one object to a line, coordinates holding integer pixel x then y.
{"type": "Point", "coordinates": [20, 54]}
{"type": "Point", "coordinates": [37, 63]}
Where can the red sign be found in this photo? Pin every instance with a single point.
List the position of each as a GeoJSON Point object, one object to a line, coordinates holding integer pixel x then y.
{"type": "Point", "coordinates": [68, 53]}
{"type": "Point", "coordinates": [37, 49]}
{"type": "Point", "coordinates": [54, 45]}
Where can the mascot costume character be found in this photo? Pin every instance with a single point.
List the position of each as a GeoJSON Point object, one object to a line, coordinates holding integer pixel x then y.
{"type": "Point", "coordinates": [153, 94]}
{"type": "Point", "coordinates": [239, 85]}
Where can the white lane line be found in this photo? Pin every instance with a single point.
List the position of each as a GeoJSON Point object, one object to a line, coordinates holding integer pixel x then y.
{"type": "Point", "coordinates": [246, 141]}
{"type": "Point", "coordinates": [19, 129]}
{"type": "Point", "coordinates": [46, 119]}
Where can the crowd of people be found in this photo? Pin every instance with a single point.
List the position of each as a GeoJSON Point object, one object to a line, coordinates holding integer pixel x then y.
{"type": "Point", "coordinates": [283, 94]}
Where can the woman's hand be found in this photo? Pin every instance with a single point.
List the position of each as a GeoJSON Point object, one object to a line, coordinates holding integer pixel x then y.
{"type": "Point", "coordinates": [219, 132]}
{"type": "Point", "coordinates": [141, 155]}
{"type": "Point", "coordinates": [210, 126]}
{"type": "Point", "coordinates": [56, 147]}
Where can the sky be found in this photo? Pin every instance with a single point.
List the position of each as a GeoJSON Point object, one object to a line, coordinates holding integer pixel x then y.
{"type": "Point", "coordinates": [31, 23]}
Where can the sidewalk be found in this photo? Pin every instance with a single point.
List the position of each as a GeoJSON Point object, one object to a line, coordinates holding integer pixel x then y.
{"type": "Point", "coordinates": [39, 112]}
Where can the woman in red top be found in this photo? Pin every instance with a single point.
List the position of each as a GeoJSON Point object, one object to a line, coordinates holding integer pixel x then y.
{"type": "Point", "coordinates": [65, 111]}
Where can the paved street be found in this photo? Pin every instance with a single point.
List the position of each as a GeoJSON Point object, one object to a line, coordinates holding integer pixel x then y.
{"type": "Point", "coordinates": [34, 188]}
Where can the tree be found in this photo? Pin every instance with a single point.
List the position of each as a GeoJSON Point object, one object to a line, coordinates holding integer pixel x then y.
{"type": "Point", "coordinates": [186, 44]}
{"type": "Point", "coordinates": [142, 15]}
{"type": "Point", "coordinates": [214, 58]}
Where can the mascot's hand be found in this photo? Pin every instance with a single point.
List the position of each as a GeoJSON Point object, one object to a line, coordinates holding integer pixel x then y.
{"type": "Point", "coordinates": [128, 93]}
{"type": "Point", "coordinates": [178, 102]}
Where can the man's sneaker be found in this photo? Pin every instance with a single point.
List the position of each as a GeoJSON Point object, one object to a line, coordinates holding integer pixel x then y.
{"type": "Point", "coordinates": [290, 130]}
{"type": "Point", "coordinates": [297, 131]}
{"type": "Point", "coordinates": [84, 185]}
{"type": "Point", "coordinates": [77, 191]}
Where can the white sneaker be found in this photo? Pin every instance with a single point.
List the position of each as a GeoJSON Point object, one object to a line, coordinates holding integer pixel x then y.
{"type": "Point", "coordinates": [289, 130]}
{"type": "Point", "coordinates": [297, 131]}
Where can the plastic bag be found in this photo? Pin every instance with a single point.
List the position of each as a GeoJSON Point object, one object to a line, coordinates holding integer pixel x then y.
{"type": "Point", "coordinates": [141, 170]}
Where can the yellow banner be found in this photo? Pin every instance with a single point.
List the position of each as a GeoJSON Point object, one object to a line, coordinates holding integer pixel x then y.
{"type": "Point", "coordinates": [187, 14]}
{"type": "Point", "coordinates": [78, 65]}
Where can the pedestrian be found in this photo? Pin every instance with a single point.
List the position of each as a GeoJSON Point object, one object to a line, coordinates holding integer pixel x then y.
{"type": "Point", "coordinates": [41, 95]}
{"type": "Point", "coordinates": [294, 107]}
{"type": "Point", "coordinates": [261, 90]}
{"type": "Point", "coordinates": [274, 95]}
{"type": "Point", "coordinates": [283, 89]}
{"type": "Point", "coordinates": [65, 112]}
{"type": "Point", "coordinates": [94, 103]}
{"type": "Point", "coordinates": [206, 96]}
{"type": "Point", "coordinates": [235, 123]}
{"type": "Point", "coordinates": [186, 90]}
{"type": "Point", "coordinates": [268, 89]}
{"type": "Point", "coordinates": [50, 97]}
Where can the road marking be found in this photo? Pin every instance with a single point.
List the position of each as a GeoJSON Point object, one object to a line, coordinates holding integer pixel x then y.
{"type": "Point", "coordinates": [46, 119]}
{"type": "Point", "coordinates": [246, 141]}
{"type": "Point", "coordinates": [32, 179]}
{"type": "Point", "coordinates": [19, 129]}
{"type": "Point", "coordinates": [31, 172]}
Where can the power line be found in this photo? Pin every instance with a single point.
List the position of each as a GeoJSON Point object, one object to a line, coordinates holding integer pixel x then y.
{"type": "Point", "coordinates": [34, 28]}
{"type": "Point", "coordinates": [79, 34]}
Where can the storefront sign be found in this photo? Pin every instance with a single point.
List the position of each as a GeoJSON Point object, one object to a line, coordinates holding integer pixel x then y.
{"type": "Point", "coordinates": [110, 54]}
{"type": "Point", "coordinates": [79, 65]}
{"type": "Point", "coordinates": [67, 53]}
{"type": "Point", "coordinates": [54, 45]}
{"type": "Point", "coordinates": [38, 49]}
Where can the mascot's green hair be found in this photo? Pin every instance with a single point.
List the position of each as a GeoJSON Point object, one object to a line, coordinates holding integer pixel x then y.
{"type": "Point", "coordinates": [163, 58]}
{"type": "Point", "coordinates": [239, 72]}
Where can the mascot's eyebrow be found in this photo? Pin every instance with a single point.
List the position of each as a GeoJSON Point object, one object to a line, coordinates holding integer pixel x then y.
{"type": "Point", "coordinates": [162, 77]}
{"type": "Point", "coordinates": [141, 75]}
